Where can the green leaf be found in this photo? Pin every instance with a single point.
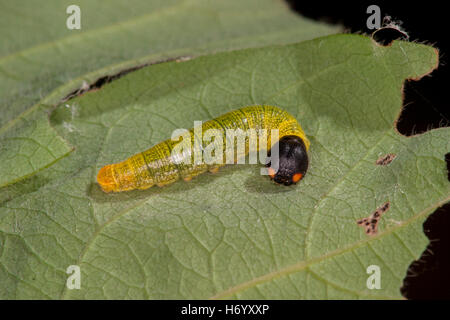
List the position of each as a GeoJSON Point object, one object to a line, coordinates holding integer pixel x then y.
{"type": "Point", "coordinates": [42, 61]}
{"type": "Point", "coordinates": [234, 234]}
{"type": "Point", "coordinates": [30, 147]}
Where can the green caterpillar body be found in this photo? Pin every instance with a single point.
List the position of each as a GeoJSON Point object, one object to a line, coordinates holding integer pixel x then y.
{"type": "Point", "coordinates": [162, 165]}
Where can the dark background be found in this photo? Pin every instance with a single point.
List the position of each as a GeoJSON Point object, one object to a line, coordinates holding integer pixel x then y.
{"type": "Point", "coordinates": [425, 107]}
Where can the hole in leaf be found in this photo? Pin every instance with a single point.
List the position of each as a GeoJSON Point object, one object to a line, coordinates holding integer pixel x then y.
{"type": "Point", "coordinates": [384, 36]}
{"type": "Point", "coordinates": [100, 82]}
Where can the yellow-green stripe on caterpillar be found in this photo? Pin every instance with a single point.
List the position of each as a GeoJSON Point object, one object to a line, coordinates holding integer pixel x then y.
{"type": "Point", "coordinates": [162, 164]}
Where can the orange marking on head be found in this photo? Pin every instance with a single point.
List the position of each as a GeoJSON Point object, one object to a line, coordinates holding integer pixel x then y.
{"type": "Point", "coordinates": [271, 173]}
{"type": "Point", "coordinates": [106, 180]}
{"type": "Point", "coordinates": [297, 177]}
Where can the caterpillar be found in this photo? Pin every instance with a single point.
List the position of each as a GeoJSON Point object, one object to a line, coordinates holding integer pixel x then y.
{"type": "Point", "coordinates": [163, 165]}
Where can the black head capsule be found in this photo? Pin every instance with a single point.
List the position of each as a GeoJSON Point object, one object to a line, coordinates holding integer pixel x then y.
{"type": "Point", "coordinates": [292, 161]}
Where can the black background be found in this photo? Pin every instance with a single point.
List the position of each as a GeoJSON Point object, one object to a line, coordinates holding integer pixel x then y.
{"type": "Point", "coordinates": [425, 107]}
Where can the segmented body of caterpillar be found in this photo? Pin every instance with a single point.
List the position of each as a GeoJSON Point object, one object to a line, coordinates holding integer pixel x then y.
{"type": "Point", "coordinates": [157, 166]}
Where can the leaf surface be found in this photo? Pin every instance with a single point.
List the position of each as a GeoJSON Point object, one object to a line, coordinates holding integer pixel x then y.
{"type": "Point", "coordinates": [234, 234]}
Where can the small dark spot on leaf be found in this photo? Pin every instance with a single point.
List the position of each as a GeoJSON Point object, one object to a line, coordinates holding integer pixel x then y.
{"type": "Point", "coordinates": [371, 222]}
{"type": "Point", "coordinates": [385, 207]}
{"type": "Point", "coordinates": [386, 159]}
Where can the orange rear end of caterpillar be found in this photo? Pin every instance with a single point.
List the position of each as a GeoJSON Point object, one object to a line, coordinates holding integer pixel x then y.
{"type": "Point", "coordinates": [122, 176]}
{"type": "Point", "coordinates": [106, 180]}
